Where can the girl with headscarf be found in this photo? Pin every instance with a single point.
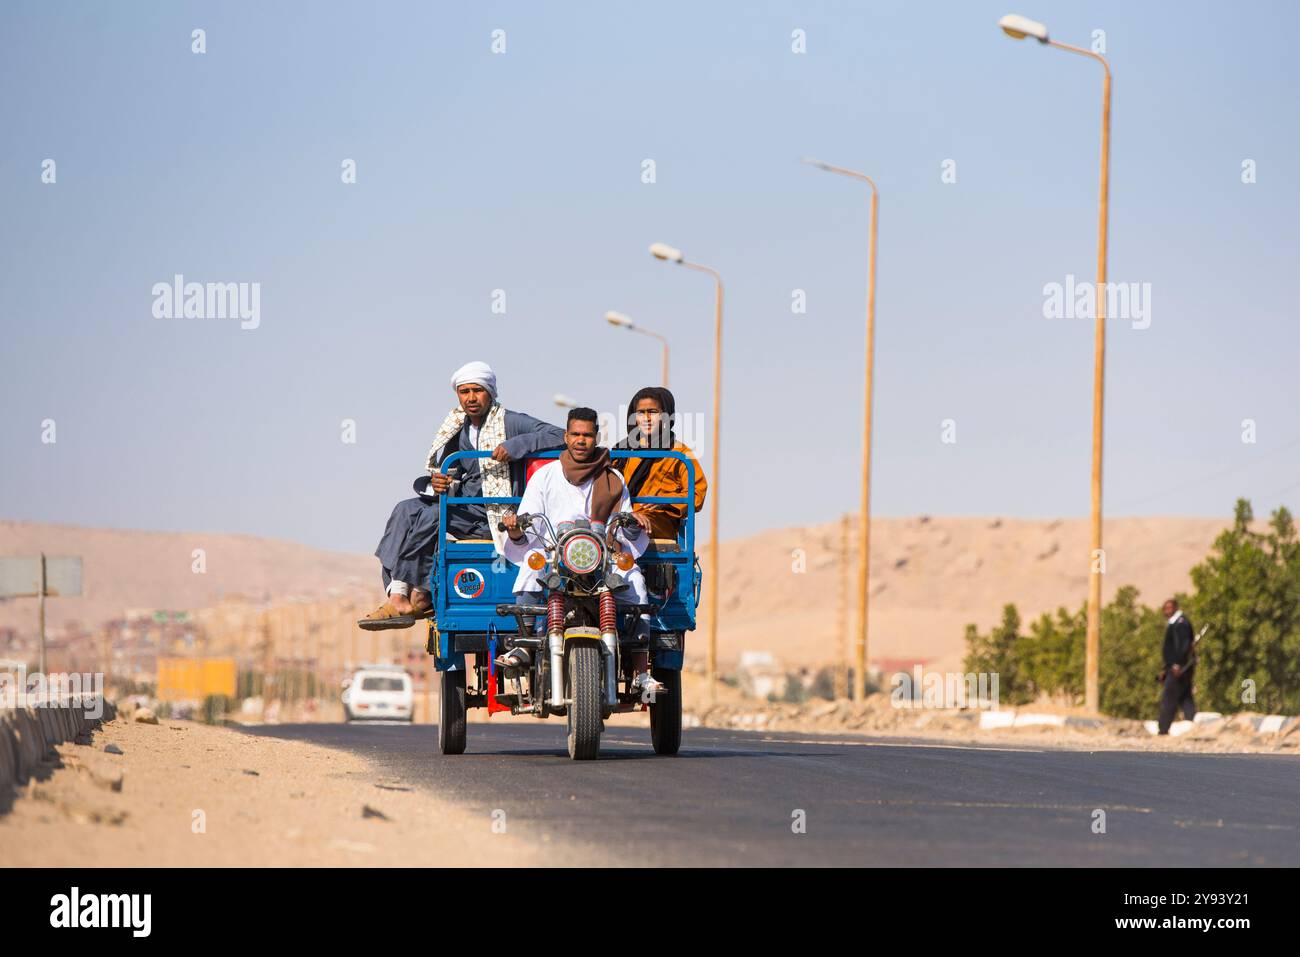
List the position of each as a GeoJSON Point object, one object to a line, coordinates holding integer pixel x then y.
{"type": "Point", "coordinates": [650, 418]}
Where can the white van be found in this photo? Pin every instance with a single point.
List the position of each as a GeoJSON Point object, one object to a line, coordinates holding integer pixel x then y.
{"type": "Point", "coordinates": [378, 692]}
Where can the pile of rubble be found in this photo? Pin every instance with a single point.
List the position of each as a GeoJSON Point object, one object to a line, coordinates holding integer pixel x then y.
{"type": "Point", "coordinates": [878, 716]}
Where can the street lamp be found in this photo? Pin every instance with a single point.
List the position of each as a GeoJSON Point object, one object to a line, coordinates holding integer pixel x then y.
{"type": "Point", "coordinates": [665, 252]}
{"type": "Point", "coordinates": [1020, 28]}
{"type": "Point", "coordinates": [670, 254]}
{"type": "Point", "coordinates": [864, 533]}
{"type": "Point", "coordinates": [625, 322]}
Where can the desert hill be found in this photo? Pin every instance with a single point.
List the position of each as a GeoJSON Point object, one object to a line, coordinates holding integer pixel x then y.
{"type": "Point", "coordinates": [780, 589]}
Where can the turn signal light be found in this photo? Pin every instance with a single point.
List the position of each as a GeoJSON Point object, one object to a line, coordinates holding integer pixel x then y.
{"type": "Point", "coordinates": [624, 561]}
{"type": "Point", "coordinates": [536, 561]}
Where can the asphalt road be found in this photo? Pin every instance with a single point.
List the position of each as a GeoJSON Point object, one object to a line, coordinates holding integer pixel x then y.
{"type": "Point", "coordinates": [730, 798]}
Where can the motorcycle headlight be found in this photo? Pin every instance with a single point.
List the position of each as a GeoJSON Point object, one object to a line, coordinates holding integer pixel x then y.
{"type": "Point", "coordinates": [582, 554]}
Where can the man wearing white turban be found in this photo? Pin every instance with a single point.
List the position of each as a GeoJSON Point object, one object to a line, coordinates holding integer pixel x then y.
{"type": "Point", "coordinates": [410, 541]}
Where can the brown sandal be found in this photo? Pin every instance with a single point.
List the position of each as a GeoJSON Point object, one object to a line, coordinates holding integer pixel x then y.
{"type": "Point", "coordinates": [386, 616]}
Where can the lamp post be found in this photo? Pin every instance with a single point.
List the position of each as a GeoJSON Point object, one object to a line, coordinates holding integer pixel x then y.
{"type": "Point", "coordinates": [625, 322]}
{"type": "Point", "coordinates": [669, 254]}
{"type": "Point", "coordinates": [1020, 28]}
{"type": "Point", "coordinates": [864, 533]}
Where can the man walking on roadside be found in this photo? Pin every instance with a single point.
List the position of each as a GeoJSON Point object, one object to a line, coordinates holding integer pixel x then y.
{"type": "Point", "coordinates": [1180, 660]}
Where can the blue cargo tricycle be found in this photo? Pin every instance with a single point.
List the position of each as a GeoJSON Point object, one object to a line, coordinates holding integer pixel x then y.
{"type": "Point", "coordinates": [580, 640]}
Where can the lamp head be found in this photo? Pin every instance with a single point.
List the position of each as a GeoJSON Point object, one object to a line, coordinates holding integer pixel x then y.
{"type": "Point", "coordinates": [1018, 28]}
{"type": "Point", "coordinates": [665, 252]}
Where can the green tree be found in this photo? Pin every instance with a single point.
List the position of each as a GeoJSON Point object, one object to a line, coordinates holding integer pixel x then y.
{"type": "Point", "coordinates": [794, 689]}
{"type": "Point", "coordinates": [1248, 591]}
{"type": "Point", "coordinates": [1132, 636]}
{"type": "Point", "coordinates": [997, 654]}
{"type": "Point", "coordinates": [823, 685]}
{"type": "Point", "coordinates": [1050, 660]}
{"type": "Point", "coordinates": [1052, 655]}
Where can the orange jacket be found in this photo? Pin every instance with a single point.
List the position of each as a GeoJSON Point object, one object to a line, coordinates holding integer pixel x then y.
{"type": "Point", "coordinates": [668, 477]}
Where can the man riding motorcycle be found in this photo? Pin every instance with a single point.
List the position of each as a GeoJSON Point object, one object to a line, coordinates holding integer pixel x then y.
{"type": "Point", "coordinates": [580, 484]}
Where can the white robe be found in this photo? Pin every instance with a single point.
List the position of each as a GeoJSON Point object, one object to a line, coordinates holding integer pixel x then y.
{"type": "Point", "coordinates": [550, 494]}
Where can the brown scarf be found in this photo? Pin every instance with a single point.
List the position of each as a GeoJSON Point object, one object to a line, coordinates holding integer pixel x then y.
{"type": "Point", "coordinates": [607, 488]}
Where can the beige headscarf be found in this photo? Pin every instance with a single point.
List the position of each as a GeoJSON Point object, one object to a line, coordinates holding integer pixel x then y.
{"type": "Point", "coordinates": [496, 475]}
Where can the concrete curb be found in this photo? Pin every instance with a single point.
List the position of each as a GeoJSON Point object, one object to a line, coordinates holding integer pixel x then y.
{"type": "Point", "coordinates": [29, 733]}
{"type": "Point", "coordinates": [1210, 724]}
{"type": "Point", "coordinates": [1245, 727]}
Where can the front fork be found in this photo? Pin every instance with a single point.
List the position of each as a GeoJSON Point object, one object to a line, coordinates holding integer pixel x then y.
{"type": "Point", "coordinates": [609, 638]}
{"type": "Point", "coordinates": [555, 639]}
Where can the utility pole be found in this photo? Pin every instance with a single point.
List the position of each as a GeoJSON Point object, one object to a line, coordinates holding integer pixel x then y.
{"type": "Point", "coordinates": [264, 632]}
{"type": "Point", "coordinates": [40, 600]}
{"type": "Point", "coordinates": [842, 619]}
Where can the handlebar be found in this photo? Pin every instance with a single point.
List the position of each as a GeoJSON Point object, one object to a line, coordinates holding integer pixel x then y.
{"type": "Point", "coordinates": [524, 518]}
{"type": "Point", "coordinates": [622, 520]}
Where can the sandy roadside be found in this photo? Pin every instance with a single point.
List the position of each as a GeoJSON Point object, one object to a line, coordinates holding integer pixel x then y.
{"type": "Point", "coordinates": [304, 806]}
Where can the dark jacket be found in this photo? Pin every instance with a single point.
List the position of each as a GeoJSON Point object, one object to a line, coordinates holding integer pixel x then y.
{"type": "Point", "coordinates": [1178, 642]}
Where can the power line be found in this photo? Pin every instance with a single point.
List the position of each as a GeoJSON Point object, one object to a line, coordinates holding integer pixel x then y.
{"type": "Point", "coordinates": [1211, 477]}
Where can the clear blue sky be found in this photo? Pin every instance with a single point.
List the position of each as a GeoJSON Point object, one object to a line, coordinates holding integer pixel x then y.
{"type": "Point", "coordinates": [522, 172]}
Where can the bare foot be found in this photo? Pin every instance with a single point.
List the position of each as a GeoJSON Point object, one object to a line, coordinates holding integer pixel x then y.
{"type": "Point", "coordinates": [400, 603]}
{"type": "Point", "coordinates": [420, 600]}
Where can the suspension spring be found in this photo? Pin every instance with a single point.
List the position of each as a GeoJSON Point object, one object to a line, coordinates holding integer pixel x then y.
{"type": "Point", "coordinates": [555, 615]}
{"type": "Point", "coordinates": [608, 614]}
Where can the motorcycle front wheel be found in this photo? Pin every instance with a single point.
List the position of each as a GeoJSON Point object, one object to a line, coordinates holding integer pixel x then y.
{"type": "Point", "coordinates": [585, 719]}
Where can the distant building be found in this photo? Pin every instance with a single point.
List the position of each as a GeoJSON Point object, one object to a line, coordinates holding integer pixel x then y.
{"type": "Point", "coordinates": [760, 675]}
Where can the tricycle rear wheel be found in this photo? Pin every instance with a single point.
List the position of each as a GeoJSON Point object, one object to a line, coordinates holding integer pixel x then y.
{"type": "Point", "coordinates": [666, 712]}
{"type": "Point", "coordinates": [451, 718]}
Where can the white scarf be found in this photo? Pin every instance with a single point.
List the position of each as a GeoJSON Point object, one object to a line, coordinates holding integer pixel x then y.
{"type": "Point", "coordinates": [496, 475]}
